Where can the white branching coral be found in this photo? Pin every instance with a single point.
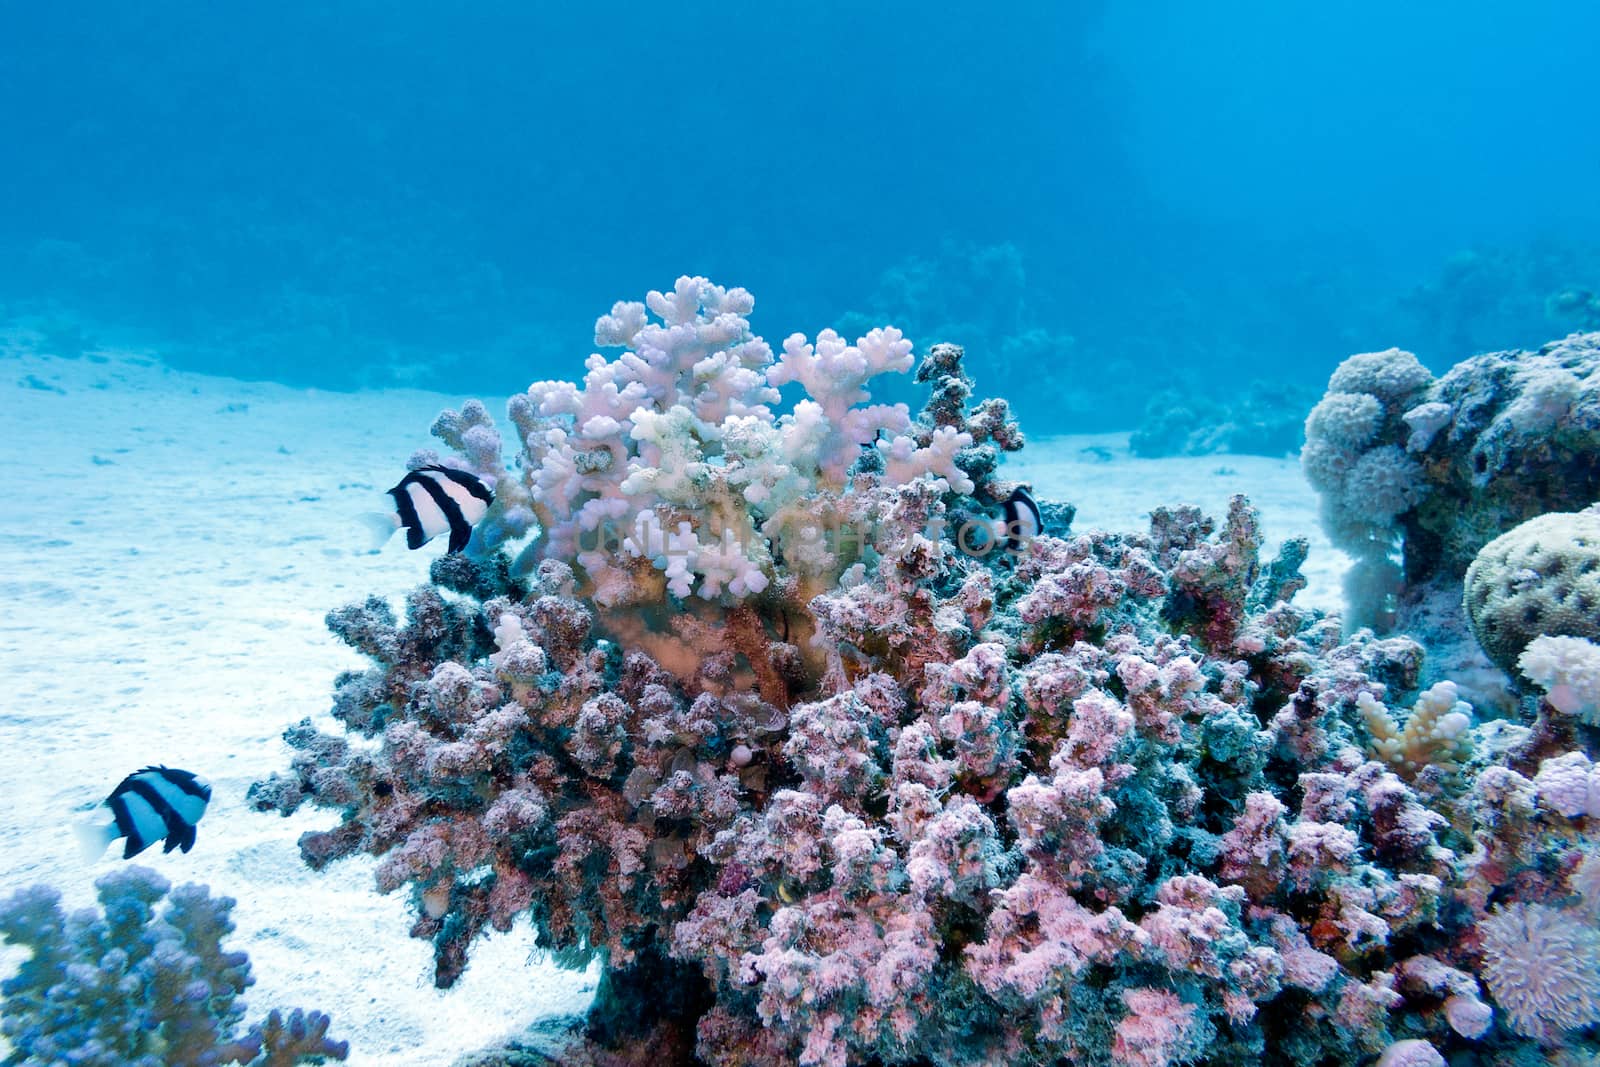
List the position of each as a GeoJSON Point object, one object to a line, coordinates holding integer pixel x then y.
{"type": "Point", "coordinates": [1568, 669]}
{"type": "Point", "coordinates": [1435, 734]}
{"type": "Point", "coordinates": [507, 632]}
{"type": "Point", "coordinates": [904, 461]}
{"type": "Point", "coordinates": [834, 374]}
{"type": "Point", "coordinates": [671, 456]}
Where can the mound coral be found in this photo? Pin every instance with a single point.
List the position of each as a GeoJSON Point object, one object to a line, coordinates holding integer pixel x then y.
{"type": "Point", "coordinates": [1540, 579]}
{"type": "Point", "coordinates": [1259, 419]}
{"type": "Point", "coordinates": [894, 791]}
{"type": "Point", "coordinates": [144, 983]}
{"type": "Point", "coordinates": [1366, 480]}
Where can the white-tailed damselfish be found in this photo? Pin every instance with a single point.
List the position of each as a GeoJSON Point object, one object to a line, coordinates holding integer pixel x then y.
{"type": "Point", "coordinates": [145, 807]}
{"type": "Point", "coordinates": [1023, 521]}
{"type": "Point", "coordinates": [430, 501]}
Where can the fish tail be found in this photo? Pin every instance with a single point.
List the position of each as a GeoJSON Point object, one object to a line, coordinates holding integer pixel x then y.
{"type": "Point", "coordinates": [380, 526]}
{"type": "Point", "coordinates": [93, 837]}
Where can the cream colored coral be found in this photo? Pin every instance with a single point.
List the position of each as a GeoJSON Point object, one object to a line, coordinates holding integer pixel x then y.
{"type": "Point", "coordinates": [1435, 733]}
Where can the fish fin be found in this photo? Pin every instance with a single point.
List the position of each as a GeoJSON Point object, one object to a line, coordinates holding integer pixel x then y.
{"type": "Point", "coordinates": [380, 525]}
{"type": "Point", "coordinates": [93, 837]}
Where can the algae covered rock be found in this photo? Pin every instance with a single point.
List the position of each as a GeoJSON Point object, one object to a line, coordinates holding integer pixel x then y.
{"type": "Point", "coordinates": [1543, 577]}
{"type": "Point", "coordinates": [1417, 473]}
{"type": "Point", "coordinates": [1436, 468]}
{"type": "Point", "coordinates": [1523, 439]}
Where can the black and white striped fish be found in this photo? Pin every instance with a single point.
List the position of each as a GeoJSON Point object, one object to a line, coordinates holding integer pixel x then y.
{"type": "Point", "coordinates": [1022, 519]}
{"type": "Point", "coordinates": [150, 804]}
{"type": "Point", "coordinates": [430, 501]}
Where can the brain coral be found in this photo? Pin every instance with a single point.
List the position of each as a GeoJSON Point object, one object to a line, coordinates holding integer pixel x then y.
{"type": "Point", "coordinates": [1542, 577]}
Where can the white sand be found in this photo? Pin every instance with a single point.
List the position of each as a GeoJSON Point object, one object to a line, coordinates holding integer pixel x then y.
{"type": "Point", "coordinates": [169, 544]}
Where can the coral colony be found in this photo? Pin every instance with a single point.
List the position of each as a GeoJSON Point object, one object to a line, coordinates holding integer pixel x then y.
{"type": "Point", "coordinates": [765, 711]}
{"type": "Point", "coordinates": [143, 982]}
{"type": "Point", "coordinates": [746, 687]}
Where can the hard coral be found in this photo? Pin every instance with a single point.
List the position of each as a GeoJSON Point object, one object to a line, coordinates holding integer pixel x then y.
{"type": "Point", "coordinates": [673, 451]}
{"type": "Point", "coordinates": [145, 982]}
{"type": "Point", "coordinates": [1435, 733]}
{"type": "Point", "coordinates": [1256, 420]}
{"type": "Point", "coordinates": [1541, 578]}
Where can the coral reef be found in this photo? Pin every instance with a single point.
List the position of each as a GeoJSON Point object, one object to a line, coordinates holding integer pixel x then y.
{"type": "Point", "coordinates": [1578, 306]}
{"type": "Point", "coordinates": [891, 792]}
{"type": "Point", "coordinates": [1489, 297]}
{"type": "Point", "coordinates": [1261, 420]}
{"type": "Point", "coordinates": [144, 982]}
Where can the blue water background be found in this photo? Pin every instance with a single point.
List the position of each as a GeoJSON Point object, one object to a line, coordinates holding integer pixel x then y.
{"type": "Point", "coordinates": [1097, 199]}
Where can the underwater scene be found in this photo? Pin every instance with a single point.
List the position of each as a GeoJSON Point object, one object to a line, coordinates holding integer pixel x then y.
{"type": "Point", "coordinates": [1062, 532]}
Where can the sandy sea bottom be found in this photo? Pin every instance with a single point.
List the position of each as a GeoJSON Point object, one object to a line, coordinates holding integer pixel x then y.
{"type": "Point", "coordinates": [169, 547]}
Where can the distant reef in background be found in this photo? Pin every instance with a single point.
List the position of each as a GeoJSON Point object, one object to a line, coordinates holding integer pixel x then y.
{"type": "Point", "coordinates": [1193, 368]}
